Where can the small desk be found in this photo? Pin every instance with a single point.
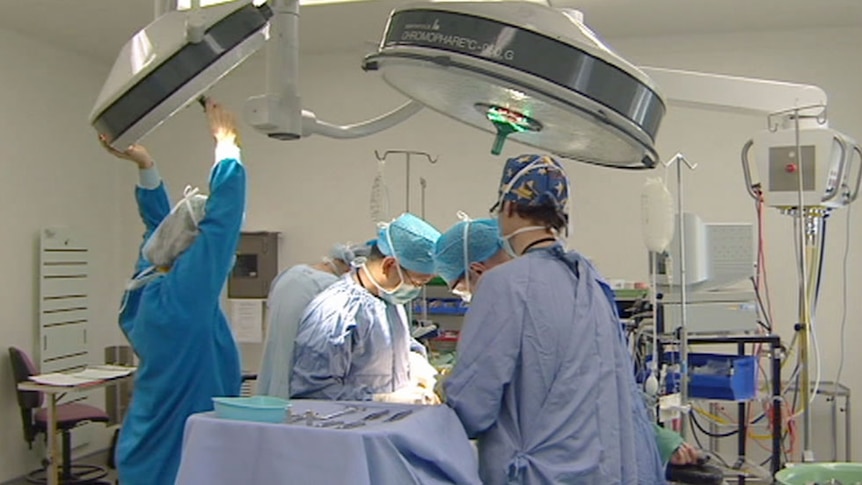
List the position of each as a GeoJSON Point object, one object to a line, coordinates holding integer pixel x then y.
{"type": "Point", "coordinates": [427, 447]}
{"type": "Point", "coordinates": [51, 393]}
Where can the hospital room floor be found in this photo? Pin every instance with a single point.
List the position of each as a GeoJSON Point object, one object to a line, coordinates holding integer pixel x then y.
{"type": "Point", "coordinates": [95, 459]}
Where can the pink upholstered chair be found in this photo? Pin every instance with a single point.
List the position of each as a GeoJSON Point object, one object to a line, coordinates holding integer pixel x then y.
{"type": "Point", "coordinates": [69, 416]}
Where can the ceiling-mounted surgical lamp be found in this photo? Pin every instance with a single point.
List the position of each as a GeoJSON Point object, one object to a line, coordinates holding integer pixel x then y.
{"type": "Point", "coordinates": [551, 83]}
{"type": "Point", "coordinates": [163, 68]}
{"type": "Point", "coordinates": [182, 53]}
{"type": "Point", "coordinates": [523, 71]}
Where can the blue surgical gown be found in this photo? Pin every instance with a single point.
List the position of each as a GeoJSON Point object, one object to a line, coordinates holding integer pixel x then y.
{"type": "Point", "coordinates": [350, 345]}
{"type": "Point", "coordinates": [544, 379]}
{"type": "Point", "coordinates": [186, 350]}
{"type": "Point", "coordinates": [291, 292]}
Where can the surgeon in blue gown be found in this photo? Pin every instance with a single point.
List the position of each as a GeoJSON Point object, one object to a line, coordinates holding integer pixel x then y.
{"type": "Point", "coordinates": [543, 378]}
{"type": "Point", "coordinates": [354, 341]}
{"type": "Point", "coordinates": [289, 294]}
{"type": "Point", "coordinates": [170, 312]}
{"type": "Point", "coordinates": [472, 247]}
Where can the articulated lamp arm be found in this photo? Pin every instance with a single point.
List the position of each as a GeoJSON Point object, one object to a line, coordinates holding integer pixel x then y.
{"type": "Point", "coordinates": [311, 125]}
{"type": "Point", "coordinates": [745, 95]}
{"type": "Point", "coordinates": [279, 113]}
{"type": "Point", "coordinates": [742, 95]}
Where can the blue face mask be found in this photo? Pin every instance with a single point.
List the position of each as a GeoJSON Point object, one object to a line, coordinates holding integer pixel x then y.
{"type": "Point", "coordinates": [401, 295]}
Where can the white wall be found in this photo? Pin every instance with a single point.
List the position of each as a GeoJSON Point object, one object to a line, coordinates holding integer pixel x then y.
{"type": "Point", "coordinates": [53, 173]}
{"type": "Point", "coordinates": [316, 191]}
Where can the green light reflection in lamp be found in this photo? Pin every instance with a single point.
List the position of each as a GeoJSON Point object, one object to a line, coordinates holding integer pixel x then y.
{"type": "Point", "coordinates": [506, 121]}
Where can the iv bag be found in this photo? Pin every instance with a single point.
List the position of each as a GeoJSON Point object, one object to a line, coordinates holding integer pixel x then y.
{"type": "Point", "coordinates": [379, 197]}
{"type": "Point", "coordinates": [657, 211]}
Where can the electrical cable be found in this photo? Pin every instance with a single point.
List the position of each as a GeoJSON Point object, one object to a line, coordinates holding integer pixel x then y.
{"type": "Point", "coordinates": [844, 298]}
{"type": "Point", "coordinates": [701, 447]}
{"type": "Point", "coordinates": [709, 433]}
{"type": "Point", "coordinates": [768, 324]}
{"type": "Point", "coordinates": [813, 316]}
{"type": "Point", "coordinates": [820, 264]}
{"type": "Point", "coordinates": [800, 258]}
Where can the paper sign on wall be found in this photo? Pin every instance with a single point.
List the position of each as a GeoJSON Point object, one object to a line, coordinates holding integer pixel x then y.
{"type": "Point", "coordinates": [246, 317]}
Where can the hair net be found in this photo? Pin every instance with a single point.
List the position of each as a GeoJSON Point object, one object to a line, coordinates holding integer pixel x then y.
{"type": "Point", "coordinates": [482, 241]}
{"type": "Point", "coordinates": [177, 231]}
{"type": "Point", "coordinates": [348, 252]}
{"type": "Point", "coordinates": [413, 240]}
{"type": "Point", "coordinates": [534, 180]}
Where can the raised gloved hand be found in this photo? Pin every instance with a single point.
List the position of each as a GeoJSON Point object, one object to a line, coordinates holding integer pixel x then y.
{"type": "Point", "coordinates": [135, 153]}
{"type": "Point", "coordinates": [409, 395]}
{"type": "Point", "coordinates": [422, 373]}
{"type": "Point", "coordinates": [222, 122]}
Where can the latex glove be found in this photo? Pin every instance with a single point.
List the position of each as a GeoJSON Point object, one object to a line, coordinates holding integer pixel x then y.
{"type": "Point", "coordinates": [135, 153]}
{"type": "Point", "coordinates": [685, 455]}
{"type": "Point", "coordinates": [438, 388]}
{"type": "Point", "coordinates": [222, 122]}
{"type": "Point", "coordinates": [408, 395]}
{"type": "Point", "coordinates": [422, 373]}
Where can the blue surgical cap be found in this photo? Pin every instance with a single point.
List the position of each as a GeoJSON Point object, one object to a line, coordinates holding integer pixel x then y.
{"type": "Point", "coordinates": [348, 252]}
{"type": "Point", "coordinates": [533, 181]}
{"type": "Point", "coordinates": [483, 241]}
{"type": "Point", "coordinates": [413, 240]}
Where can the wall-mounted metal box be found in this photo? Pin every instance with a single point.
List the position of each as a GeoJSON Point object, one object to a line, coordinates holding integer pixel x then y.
{"type": "Point", "coordinates": [256, 265]}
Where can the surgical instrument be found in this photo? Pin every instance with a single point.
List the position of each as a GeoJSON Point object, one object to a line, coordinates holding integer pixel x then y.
{"type": "Point", "coordinates": [376, 415]}
{"type": "Point", "coordinates": [398, 416]}
{"type": "Point", "coordinates": [347, 410]}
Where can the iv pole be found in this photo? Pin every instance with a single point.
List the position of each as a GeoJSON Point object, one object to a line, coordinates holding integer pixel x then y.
{"type": "Point", "coordinates": [424, 185]}
{"type": "Point", "coordinates": [808, 220]}
{"type": "Point", "coordinates": [432, 160]}
{"type": "Point", "coordinates": [408, 154]}
{"type": "Point", "coordinates": [680, 160]}
{"type": "Point", "coordinates": [808, 223]}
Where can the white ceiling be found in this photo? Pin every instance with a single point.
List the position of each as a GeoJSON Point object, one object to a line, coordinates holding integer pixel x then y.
{"type": "Point", "coordinates": [98, 28]}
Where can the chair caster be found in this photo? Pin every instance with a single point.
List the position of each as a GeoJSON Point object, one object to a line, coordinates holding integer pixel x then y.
{"type": "Point", "coordinates": [79, 474]}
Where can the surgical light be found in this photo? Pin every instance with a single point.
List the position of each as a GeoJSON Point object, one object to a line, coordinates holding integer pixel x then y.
{"type": "Point", "coordinates": [519, 70]}
{"type": "Point", "coordinates": [523, 71]}
{"type": "Point", "coordinates": [163, 68]}
{"type": "Point", "coordinates": [182, 53]}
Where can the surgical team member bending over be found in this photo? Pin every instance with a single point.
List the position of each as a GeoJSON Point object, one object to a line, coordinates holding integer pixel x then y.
{"type": "Point", "coordinates": [170, 312]}
{"type": "Point", "coordinates": [289, 295]}
{"type": "Point", "coordinates": [354, 340]}
{"type": "Point", "coordinates": [478, 242]}
{"type": "Point", "coordinates": [543, 377]}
